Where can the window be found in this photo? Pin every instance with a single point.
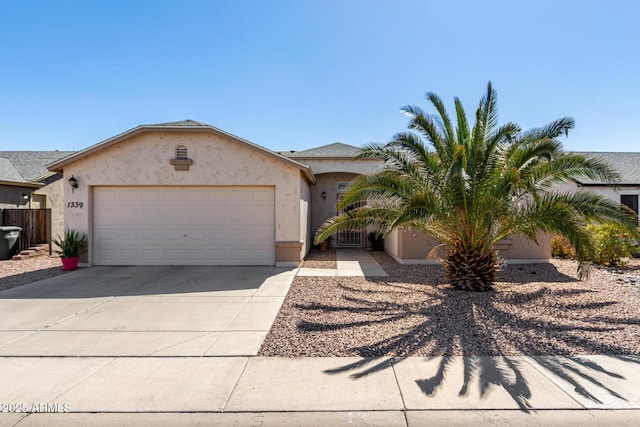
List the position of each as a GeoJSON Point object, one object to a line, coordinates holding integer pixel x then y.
{"type": "Point", "coordinates": [343, 186]}
{"type": "Point", "coordinates": [630, 201]}
{"type": "Point", "coordinates": [181, 152]}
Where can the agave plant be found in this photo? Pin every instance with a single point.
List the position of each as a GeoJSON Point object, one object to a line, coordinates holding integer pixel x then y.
{"type": "Point", "coordinates": [471, 186]}
{"type": "Point", "coordinates": [73, 244]}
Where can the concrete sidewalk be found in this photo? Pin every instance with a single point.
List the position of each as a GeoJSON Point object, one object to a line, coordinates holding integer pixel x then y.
{"type": "Point", "coordinates": [585, 390]}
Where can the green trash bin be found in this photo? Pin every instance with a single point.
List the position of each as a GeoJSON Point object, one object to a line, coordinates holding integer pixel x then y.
{"type": "Point", "coordinates": [9, 241]}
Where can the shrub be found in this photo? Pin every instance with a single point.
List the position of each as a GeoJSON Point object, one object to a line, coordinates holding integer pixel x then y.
{"type": "Point", "coordinates": [561, 248]}
{"type": "Point", "coordinates": [611, 244]}
{"type": "Point", "coordinates": [73, 244]}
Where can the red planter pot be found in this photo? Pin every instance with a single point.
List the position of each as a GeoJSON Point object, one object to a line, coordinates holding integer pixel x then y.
{"type": "Point", "coordinates": [69, 264]}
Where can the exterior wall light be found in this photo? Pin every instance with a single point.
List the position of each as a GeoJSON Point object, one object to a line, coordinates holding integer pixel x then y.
{"type": "Point", "coordinates": [324, 195]}
{"type": "Point", "coordinates": [73, 182]}
{"type": "Point", "coordinates": [25, 196]}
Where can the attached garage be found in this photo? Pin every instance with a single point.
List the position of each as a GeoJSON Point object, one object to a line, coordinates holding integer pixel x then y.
{"type": "Point", "coordinates": [186, 193]}
{"type": "Point", "coordinates": [231, 225]}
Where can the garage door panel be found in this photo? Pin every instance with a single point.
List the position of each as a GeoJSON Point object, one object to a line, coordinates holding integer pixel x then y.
{"type": "Point", "coordinates": [261, 235]}
{"type": "Point", "coordinates": [106, 214]}
{"type": "Point", "coordinates": [194, 197]}
{"type": "Point", "coordinates": [219, 217]}
{"type": "Point", "coordinates": [151, 234]}
{"type": "Point", "coordinates": [124, 216]}
{"type": "Point", "coordinates": [127, 195]}
{"type": "Point", "coordinates": [104, 235]}
{"type": "Point", "coordinates": [184, 226]}
{"type": "Point", "coordinates": [105, 196]}
{"type": "Point", "coordinates": [216, 197]}
{"type": "Point", "coordinates": [197, 216]}
{"type": "Point", "coordinates": [262, 196]}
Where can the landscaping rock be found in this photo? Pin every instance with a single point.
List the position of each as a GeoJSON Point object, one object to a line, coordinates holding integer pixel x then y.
{"type": "Point", "coordinates": [414, 312]}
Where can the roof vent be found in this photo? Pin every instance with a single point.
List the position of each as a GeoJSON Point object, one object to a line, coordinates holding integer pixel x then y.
{"type": "Point", "coordinates": [182, 160]}
{"type": "Point", "coordinates": [181, 152]}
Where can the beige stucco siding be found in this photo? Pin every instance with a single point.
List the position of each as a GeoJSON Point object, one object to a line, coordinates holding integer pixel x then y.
{"type": "Point", "coordinates": [523, 248]}
{"type": "Point", "coordinates": [414, 245]}
{"type": "Point", "coordinates": [305, 216]}
{"type": "Point", "coordinates": [144, 160]}
{"type": "Point", "coordinates": [411, 247]}
{"type": "Point", "coordinates": [54, 193]}
{"type": "Point", "coordinates": [391, 244]}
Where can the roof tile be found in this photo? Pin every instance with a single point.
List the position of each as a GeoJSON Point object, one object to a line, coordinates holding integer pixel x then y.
{"type": "Point", "coordinates": [337, 149]}
{"type": "Point", "coordinates": [185, 123]}
{"type": "Point", "coordinates": [32, 164]}
{"type": "Point", "coordinates": [628, 164]}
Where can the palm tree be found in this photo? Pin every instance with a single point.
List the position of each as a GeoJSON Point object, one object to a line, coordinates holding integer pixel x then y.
{"type": "Point", "coordinates": [471, 187]}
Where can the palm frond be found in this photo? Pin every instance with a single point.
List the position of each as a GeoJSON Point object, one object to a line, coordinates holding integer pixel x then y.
{"type": "Point", "coordinates": [462, 129]}
{"type": "Point", "coordinates": [570, 166]}
{"type": "Point", "coordinates": [447, 129]}
{"type": "Point", "coordinates": [490, 107]}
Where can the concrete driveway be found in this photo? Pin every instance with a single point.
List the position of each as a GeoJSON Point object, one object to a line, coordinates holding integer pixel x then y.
{"type": "Point", "coordinates": [144, 311]}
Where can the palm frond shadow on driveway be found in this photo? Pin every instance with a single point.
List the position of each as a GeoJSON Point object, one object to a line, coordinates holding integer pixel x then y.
{"type": "Point", "coordinates": [455, 323]}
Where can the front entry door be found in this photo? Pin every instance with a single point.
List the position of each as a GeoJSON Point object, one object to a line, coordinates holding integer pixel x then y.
{"type": "Point", "coordinates": [350, 238]}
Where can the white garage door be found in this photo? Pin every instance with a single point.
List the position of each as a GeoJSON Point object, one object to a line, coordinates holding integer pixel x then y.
{"type": "Point", "coordinates": [184, 225]}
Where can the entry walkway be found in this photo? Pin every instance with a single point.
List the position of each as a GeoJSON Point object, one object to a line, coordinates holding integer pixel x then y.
{"type": "Point", "coordinates": [351, 262]}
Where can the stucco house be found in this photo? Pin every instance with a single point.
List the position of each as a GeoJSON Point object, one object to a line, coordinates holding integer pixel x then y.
{"type": "Point", "coordinates": [25, 183]}
{"type": "Point", "coordinates": [187, 193]}
{"type": "Point", "coordinates": [626, 191]}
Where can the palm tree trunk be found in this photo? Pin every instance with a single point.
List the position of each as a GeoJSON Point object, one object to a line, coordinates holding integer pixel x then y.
{"type": "Point", "coordinates": [471, 270]}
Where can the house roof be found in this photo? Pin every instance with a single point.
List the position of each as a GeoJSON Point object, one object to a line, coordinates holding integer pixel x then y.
{"type": "Point", "coordinates": [8, 171]}
{"type": "Point", "coordinates": [186, 123]}
{"type": "Point", "coordinates": [628, 164]}
{"type": "Point", "coordinates": [179, 126]}
{"type": "Point", "coordinates": [27, 166]}
{"type": "Point", "coordinates": [335, 150]}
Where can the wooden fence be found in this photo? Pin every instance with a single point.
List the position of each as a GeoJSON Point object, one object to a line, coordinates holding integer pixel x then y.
{"type": "Point", "coordinates": [35, 224]}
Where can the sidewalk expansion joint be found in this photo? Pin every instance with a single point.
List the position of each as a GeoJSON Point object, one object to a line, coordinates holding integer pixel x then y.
{"type": "Point", "coordinates": [404, 405]}
{"type": "Point", "coordinates": [527, 359]}
{"type": "Point", "coordinates": [226, 401]}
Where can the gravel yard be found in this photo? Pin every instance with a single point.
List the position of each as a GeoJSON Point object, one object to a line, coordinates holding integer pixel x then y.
{"type": "Point", "coordinates": [25, 271]}
{"type": "Point", "coordinates": [320, 259]}
{"type": "Point", "coordinates": [536, 309]}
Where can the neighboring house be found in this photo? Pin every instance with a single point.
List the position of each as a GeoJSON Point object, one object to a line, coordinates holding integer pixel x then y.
{"type": "Point", "coordinates": [25, 183]}
{"type": "Point", "coordinates": [15, 191]}
{"type": "Point", "coordinates": [626, 191]}
{"type": "Point", "coordinates": [187, 193]}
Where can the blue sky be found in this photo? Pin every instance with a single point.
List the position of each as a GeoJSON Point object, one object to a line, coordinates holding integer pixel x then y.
{"type": "Point", "coordinates": [298, 74]}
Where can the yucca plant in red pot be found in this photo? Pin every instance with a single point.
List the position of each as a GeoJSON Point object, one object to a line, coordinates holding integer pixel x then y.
{"type": "Point", "coordinates": [74, 244]}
